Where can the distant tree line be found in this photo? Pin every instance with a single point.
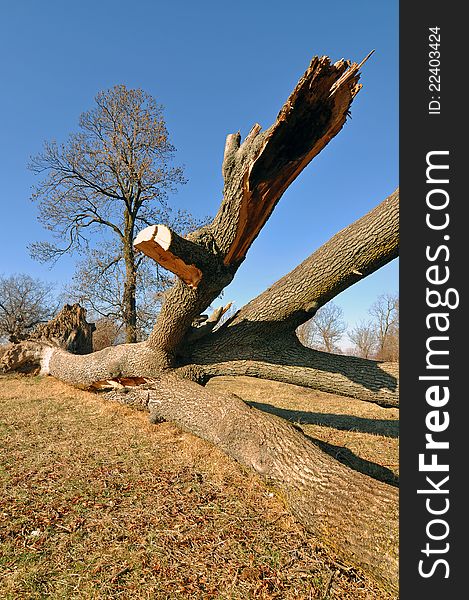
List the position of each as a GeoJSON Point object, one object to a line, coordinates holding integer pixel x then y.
{"type": "Point", "coordinates": [376, 338]}
{"type": "Point", "coordinates": [25, 302]}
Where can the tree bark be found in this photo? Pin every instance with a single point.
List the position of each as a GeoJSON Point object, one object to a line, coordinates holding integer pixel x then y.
{"type": "Point", "coordinates": [130, 304]}
{"type": "Point", "coordinates": [285, 359]}
{"type": "Point", "coordinates": [352, 254]}
{"type": "Point", "coordinates": [130, 283]}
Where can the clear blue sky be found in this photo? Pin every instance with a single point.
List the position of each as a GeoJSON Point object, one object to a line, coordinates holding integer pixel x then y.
{"type": "Point", "coordinates": [217, 68]}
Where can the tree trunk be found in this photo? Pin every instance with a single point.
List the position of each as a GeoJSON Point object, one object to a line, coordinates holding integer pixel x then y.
{"type": "Point", "coordinates": [351, 512]}
{"type": "Point", "coordinates": [355, 514]}
{"type": "Point", "coordinates": [130, 286]}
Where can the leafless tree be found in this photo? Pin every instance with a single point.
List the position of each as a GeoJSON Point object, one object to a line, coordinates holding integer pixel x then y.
{"type": "Point", "coordinates": [107, 180]}
{"type": "Point", "coordinates": [24, 303]}
{"type": "Point", "coordinates": [325, 330]}
{"type": "Point", "coordinates": [386, 313]}
{"type": "Point", "coordinates": [363, 336]}
{"type": "Point", "coordinates": [354, 513]}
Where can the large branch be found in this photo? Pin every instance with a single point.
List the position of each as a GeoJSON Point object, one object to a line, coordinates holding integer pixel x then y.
{"type": "Point", "coordinates": [260, 170]}
{"type": "Point", "coordinates": [349, 511]}
{"type": "Point", "coordinates": [89, 370]}
{"type": "Point", "coordinates": [178, 255]}
{"type": "Point", "coordinates": [350, 255]}
{"type": "Point", "coordinates": [284, 359]}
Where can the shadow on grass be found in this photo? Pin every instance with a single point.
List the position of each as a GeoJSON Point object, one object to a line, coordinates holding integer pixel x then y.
{"type": "Point", "coordinates": [343, 422]}
{"type": "Point", "coordinates": [386, 427]}
{"type": "Point", "coordinates": [349, 458]}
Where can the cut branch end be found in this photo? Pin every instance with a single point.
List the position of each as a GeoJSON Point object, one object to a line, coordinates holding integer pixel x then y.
{"type": "Point", "coordinates": [171, 252]}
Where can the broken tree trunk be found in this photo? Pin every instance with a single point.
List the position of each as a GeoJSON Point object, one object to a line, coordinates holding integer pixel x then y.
{"type": "Point", "coordinates": [68, 330]}
{"type": "Point", "coordinates": [354, 513]}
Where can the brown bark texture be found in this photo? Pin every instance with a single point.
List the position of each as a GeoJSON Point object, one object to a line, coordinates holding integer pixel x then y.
{"type": "Point", "coordinates": [352, 512]}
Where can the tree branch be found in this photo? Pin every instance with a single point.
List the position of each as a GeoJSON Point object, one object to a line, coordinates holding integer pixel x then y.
{"type": "Point", "coordinates": [352, 254]}
{"type": "Point", "coordinates": [255, 351]}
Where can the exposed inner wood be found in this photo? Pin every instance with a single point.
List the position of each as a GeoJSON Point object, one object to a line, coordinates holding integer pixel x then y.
{"type": "Point", "coordinates": [118, 383]}
{"type": "Point", "coordinates": [158, 242]}
{"type": "Point", "coordinates": [313, 114]}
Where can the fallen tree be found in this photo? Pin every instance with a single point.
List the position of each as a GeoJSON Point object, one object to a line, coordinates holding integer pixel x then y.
{"type": "Point", "coordinates": [349, 511]}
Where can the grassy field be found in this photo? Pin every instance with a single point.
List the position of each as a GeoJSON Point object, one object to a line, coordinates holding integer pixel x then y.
{"type": "Point", "coordinates": [98, 503]}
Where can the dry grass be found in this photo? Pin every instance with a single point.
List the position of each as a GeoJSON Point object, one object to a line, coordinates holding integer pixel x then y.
{"type": "Point", "coordinates": [98, 503]}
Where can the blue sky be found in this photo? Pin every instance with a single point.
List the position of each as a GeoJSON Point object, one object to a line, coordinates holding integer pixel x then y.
{"type": "Point", "coordinates": [217, 69]}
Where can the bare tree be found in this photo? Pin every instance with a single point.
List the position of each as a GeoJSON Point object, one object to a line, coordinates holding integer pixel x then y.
{"type": "Point", "coordinates": [325, 330]}
{"type": "Point", "coordinates": [379, 338]}
{"type": "Point", "coordinates": [112, 177]}
{"type": "Point", "coordinates": [99, 281]}
{"type": "Point", "coordinates": [354, 513]}
{"type": "Point", "coordinates": [363, 336]}
{"type": "Point", "coordinates": [386, 313]}
{"type": "Point", "coordinates": [24, 303]}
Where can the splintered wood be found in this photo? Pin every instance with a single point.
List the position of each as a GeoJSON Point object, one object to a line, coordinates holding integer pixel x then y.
{"type": "Point", "coordinates": [313, 114]}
